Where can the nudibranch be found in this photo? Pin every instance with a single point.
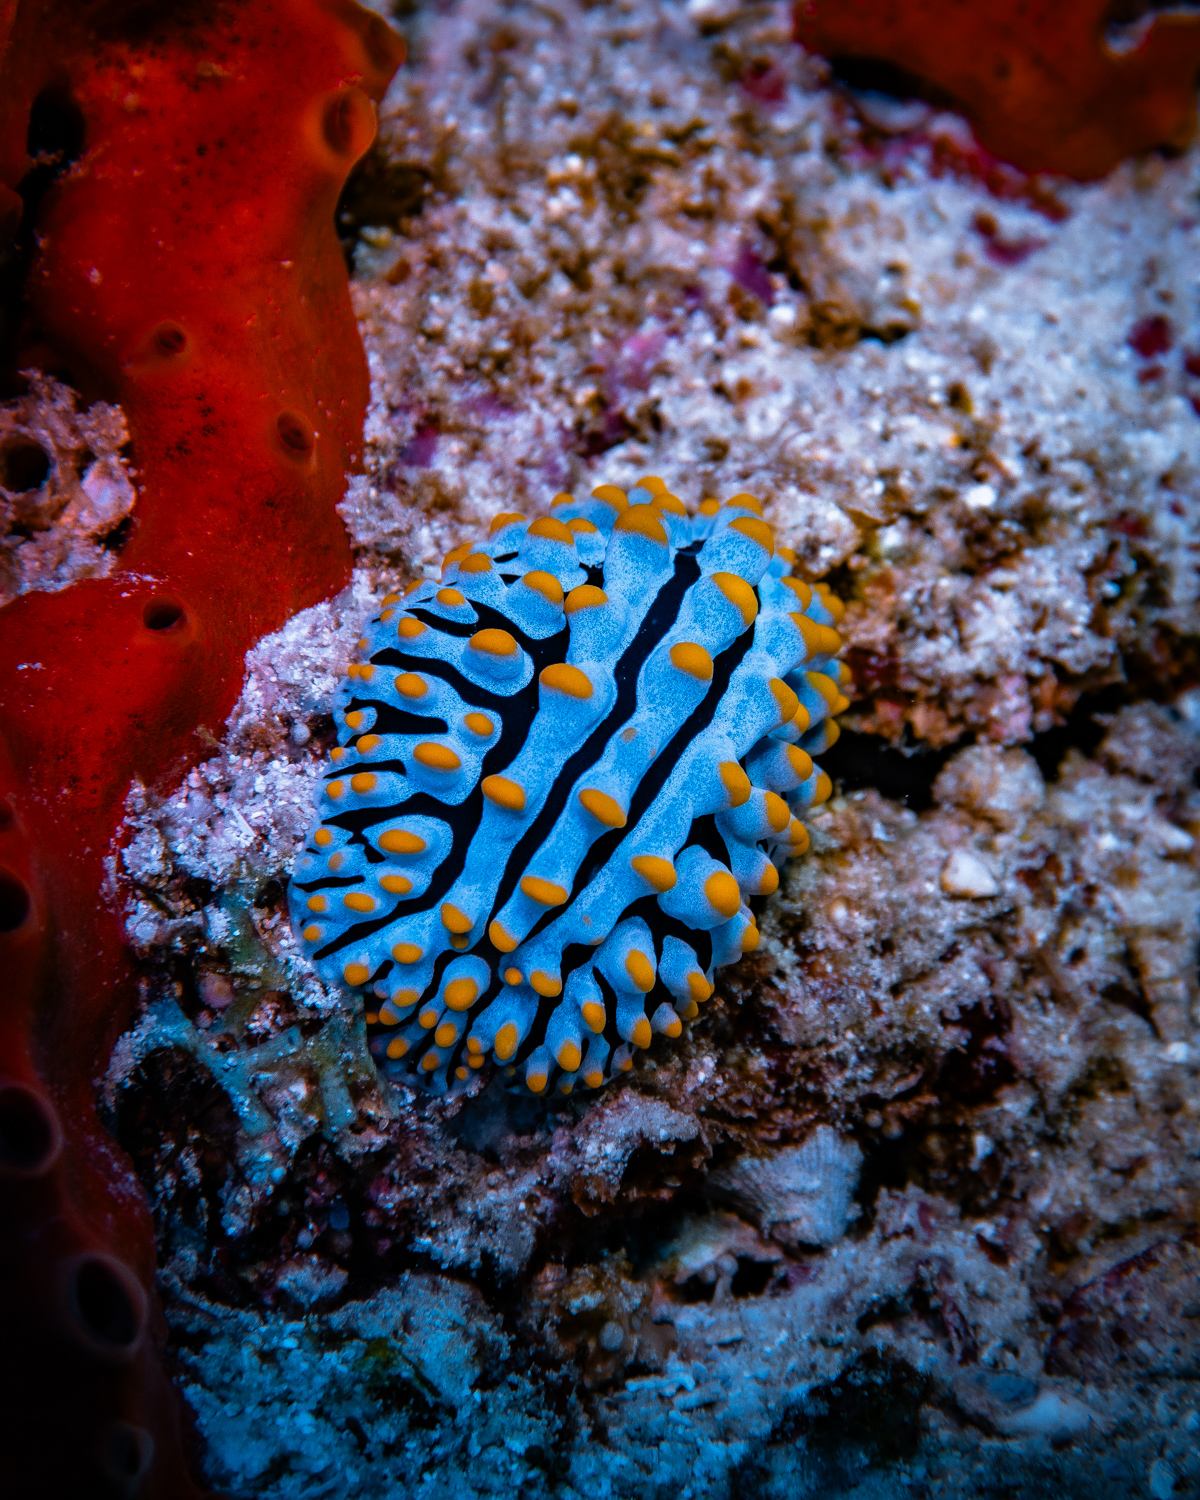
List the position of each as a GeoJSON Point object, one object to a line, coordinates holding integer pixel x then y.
{"type": "Point", "coordinates": [562, 772]}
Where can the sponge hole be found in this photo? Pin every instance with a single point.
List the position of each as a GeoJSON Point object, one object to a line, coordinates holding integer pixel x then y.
{"type": "Point", "coordinates": [170, 339]}
{"type": "Point", "coordinates": [107, 1304]}
{"type": "Point", "coordinates": [14, 902]}
{"type": "Point", "coordinates": [24, 466]}
{"type": "Point", "coordinates": [125, 1453]}
{"type": "Point", "coordinates": [295, 433]}
{"type": "Point", "coordinates": [348, 123]}
{"type": "Point", "coordinates": [162, 614]}
{"type": "Point", "coordinates": [30, 1135]}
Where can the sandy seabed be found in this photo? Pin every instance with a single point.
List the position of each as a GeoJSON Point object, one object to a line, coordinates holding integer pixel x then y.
{"type": "Point", "coordinates": [912, 1209]}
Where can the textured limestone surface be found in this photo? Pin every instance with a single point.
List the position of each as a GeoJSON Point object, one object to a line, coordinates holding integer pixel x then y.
{"type": "Point", "coordinates": [913, 1209]}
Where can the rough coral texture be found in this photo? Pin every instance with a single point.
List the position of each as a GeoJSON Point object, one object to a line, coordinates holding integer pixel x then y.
{"type": "Point", "coordinates": [911, 1208]}
{"type": "Point", "coordinates": [544, 833]}
{"type": "Point", "coordinates": [904, 1160]}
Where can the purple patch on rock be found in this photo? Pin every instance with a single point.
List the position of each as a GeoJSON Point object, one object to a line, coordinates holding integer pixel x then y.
{"type": "Point", "coordinates": [631, 368]}
{"type": "Point", "coordinates": [1150, 337]}
{"type": "Point", "coordinates": [1011, 252]}
{"type": "Point", "coordinates": [1001, 250]}
{"type": "Point", "coordinates": [418, 452]}
{"type": "Point", "coordinates": [489, 405]}
{"type": "Point", "coordinates": [766, 82]}
{"type": "Point", "coordinates": [751, 275]}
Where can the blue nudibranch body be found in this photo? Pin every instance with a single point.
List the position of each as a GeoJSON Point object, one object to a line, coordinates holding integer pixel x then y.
{"type": "Point", "coordinates": [562, 772]}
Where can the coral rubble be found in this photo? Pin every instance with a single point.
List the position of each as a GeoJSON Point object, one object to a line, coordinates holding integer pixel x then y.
{"type": "Point", "coordinates": [909, 1158]}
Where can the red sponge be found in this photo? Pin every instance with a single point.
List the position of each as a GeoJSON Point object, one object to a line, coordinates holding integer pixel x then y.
{"type": "Point", "coordinates": [187, 267]}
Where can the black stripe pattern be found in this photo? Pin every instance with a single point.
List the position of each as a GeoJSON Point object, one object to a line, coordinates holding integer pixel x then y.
{"type": "Point", "coordinates": [562, 770]}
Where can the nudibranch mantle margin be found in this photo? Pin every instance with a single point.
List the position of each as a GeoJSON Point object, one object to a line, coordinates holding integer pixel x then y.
{"type": "Point", "coordinates": [562, 771]}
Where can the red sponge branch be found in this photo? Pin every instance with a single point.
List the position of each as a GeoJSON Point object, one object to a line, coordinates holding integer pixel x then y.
{"type": "Point", "coordinates": [186, 267]}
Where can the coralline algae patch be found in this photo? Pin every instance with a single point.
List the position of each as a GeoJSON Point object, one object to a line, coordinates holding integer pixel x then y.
{"type": "Point", "coordinates": [563, 771]}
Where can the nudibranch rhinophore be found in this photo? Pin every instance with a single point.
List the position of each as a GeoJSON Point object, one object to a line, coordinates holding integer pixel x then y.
{"type": "Point", "coordinates": [562, 771]}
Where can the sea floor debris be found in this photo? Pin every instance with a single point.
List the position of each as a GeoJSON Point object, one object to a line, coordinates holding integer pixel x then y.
{"type": "Point", "coordinates": [912, 1209]}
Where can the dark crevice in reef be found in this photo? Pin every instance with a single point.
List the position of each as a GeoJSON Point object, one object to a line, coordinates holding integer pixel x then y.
{"type": "Point", "coordinates": [379, 194]}
{"type": "Point", "coordinates": [1082, 730]}
{"type": "Point", "coordinates": [858, 761]}
{"type": "Point", "coordinates": [23, 466]}
{"type": "Point", "coordinates": [54, 140]}
{"type": "Point", "coordinates": [180, 1131]}
{"type": "Point", "coordinates": [934, 1148]}
{"type": "Point", "coordinates": [874, 75]}
{"type": "Point", "coordinates": [1160, 681]}
{"type": "Point", "coordinates": [1169, 664]}
{"type": "Point", "coordinates": [868, 1418]}
{"type": "Point", "coordinates": [906, 773]}
{"type": "Point", "coordinates": [888, 1163]}
{"type": "Point", "coordinates": [193, 1158]}
{"type": "Point", "coordinates": [486, 1123]}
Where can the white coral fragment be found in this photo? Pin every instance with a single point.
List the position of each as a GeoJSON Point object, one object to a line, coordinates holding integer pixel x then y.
{"type": "Point", "coordinates": [965, 874]}
{"type": "Point", "coordinates": [801, 1195]}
